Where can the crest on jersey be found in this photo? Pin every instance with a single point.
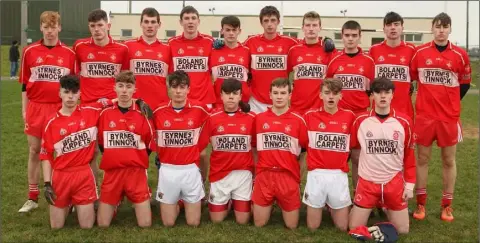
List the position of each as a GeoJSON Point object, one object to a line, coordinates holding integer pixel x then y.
{"type": "Point", "coordinates": [166, 123]}
{"type": "Point", "coordinates": [344, 127]}
{"type": "Point", "coordinates": [299, 59]}
{"type": "Point", "coordinates": [288, 128]}
{"type": "Point", "coordinates": [63, 131]}
{"type": "Point", "coordinates": [113, 57]}
{"type": "Point", "coordinates": [260, 49]}
{"type": "Point", "coordinates": [220, 129]}
{"type": "Point", "coordinates": [361, 70]}
{"type": "Point", "coordinates": [190, 122]}
{"type": "Point", "coordinates": [280, 49]}
{"type": "Point", "coordinates": [131, 127]}
{"type": "Point", "coordinates": [428, 62]}
{"type": "Point", "coordinates": [112, 124]}
{"type": "Point", "coordinates": [340, 68]}
{"type": "Point", "coordinates": [266, 126]}
{"type": "Point", "coordinates": [381, 59]}
{"type": "Point", "coordinates": [396, 134]}
{"type": "Point", "coordinates": [39, 60]}
{"type": "Point", "coordinates": [319, 58]}
{"type": "Point", "coordinates": [60, 61]}
{"type": "Point", "coordinates": [180, 51]}
{"type": "Point", "coordinates": [243, 128]}
{"type": "Point", "coordinates": [90, 56]}
{"type": "Point", "coordinates": [221, 59]}
{"type": "Point", "coordinates": [402, 59]}
{"type": "Point", "coordinates": [200, 51]}
{"type": "Point", "coordinates": [138, 54]}
{"type": "Point", "coordinates": [369, 134]}
{"type": "Point", "coordinates": [449, 64]}
{"type": "Point", "coordinates": [322, 125]}
{"type": "Point", "coordinates": [240, 60]}
{"type": "Point", "coordinates": [159, 55]}
{"type": "Point", "coordinates": [82, 124]}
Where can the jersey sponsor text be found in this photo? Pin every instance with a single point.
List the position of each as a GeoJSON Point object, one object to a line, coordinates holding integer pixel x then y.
{"type": "Point", "coordinates": [100, 69]}
{"type": "Point", "coordinates": [122, 139]}
{"type": "Point", "coordinates": [48, 73]}
{"type": "Point", "coordinates": [394, 72]}
{"type": "Point", "coordinates": [381, 146]}
{"type": "Point", "coordinates": [329, 141]}
{"type": "Point", "coordinates": [177, 138]}
{"type": "Point", "coordinates": [314, 71]}
{"type": "Point", "coordinates": [149, 67]}
{"type": "Point", "coordinates": [437, 76]}
{"type": "Point", "coordinates": [269, 62]}
{"type": "Point", "coordinates": [76, 141]}
{"type": "Point", "coordinates": [230, 71]}
{"type": "Point", "coordinates": [231, 143]}
{"type": "Point", "coordinates": [191, 64]}
{"type": "Point", "coordinates": [352, 82]}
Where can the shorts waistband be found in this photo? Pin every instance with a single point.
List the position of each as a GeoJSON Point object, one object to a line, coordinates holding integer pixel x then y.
{"type": "Point", "coordinates": [179, 167]}
{"type": "Point", "coordinates": [328, 171]}
{"type": "Point", "coordinates": [74, 168]}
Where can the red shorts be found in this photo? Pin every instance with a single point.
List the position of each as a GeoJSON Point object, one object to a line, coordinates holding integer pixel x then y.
{"type": "Point", "coordinates": [446, 133]}
{"type": "Point", "coordinates": [130, 182]}
{"type": "Point", "coordinates": [37, 116]}
{"type": "Point", "coordinates": [74, 186]}
{"type": "Point", "coordinates": [368, 194]}
{"type": "Point", "coordinates": [276, 185]}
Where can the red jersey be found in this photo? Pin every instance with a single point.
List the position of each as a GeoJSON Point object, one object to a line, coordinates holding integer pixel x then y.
{"type": "Point", "coordinates": [178, 132]}
{"type": "Point", "coordinates": [150, 63]}
{"type": "Point", "coordinates": [125, 138]}
{"type": "Point", "coordinates": [230, 63]}
{"type": "Point", "coordinates": [439, 75]}
{"type": "Point", "coordinates": [72, 138]}
{"type": "Point", "coordinates": [279, 141]}
{"type": "Point", "coordinates": [232, 137]}
{"type": "Point", "coordinates": [268, 61]}
{"type": "Point", "coordinates": [98, 66]}
{"type": "Point", "coordinates": [42, 69]}
{"type": "Point", "coordinates": [386, 147]}
{"type": "Point", "coordinates": [328, 139]}
{"type": "Point", "coordinates": [192, 57]}
{"type": "Point", "coordinates": [356, 74]}
{"type": "Point", "coordinates": [309, 64]}
{"type": "Point", "coordinates": [394, 63]}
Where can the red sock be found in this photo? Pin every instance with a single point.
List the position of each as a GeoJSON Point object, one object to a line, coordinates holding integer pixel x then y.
{"type": "Point", "coordinates": [33, 192]}
{"type": "Point", "coordinates": [421, 196]}
{"type": "Point", "coordinates": [447, 199]}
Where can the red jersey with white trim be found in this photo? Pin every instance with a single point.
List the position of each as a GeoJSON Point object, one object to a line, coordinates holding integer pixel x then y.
{"type": "Point", "coordinates": [439, 75]}
{"type": "Point", "coordinates": [386, 147]}
{"type": "Point", "coordinates": [192, 57]}
{"type": "Point", "coordinates": [125, 138]}
{"type": "Point", "coordinates": [394, 63]}
{"type": "Point", "coordinates": [150, 64]}
{"type": "Point", "coordinates": [268, 61]}
{"type": "Point", "coordinates": [71, 138]}
{"type": "Point", "coordinates": [97, 66]}
{"type": "Point", "coordinates": [234, 63]}
{"type": "Point", "coordinates": [178, 132]}
{"type": "Point", "coordinates": [232, 137]}
{"type": "Point", "coordinates": [356, 74]}
{"type": "Point", "coordinates": [328, 139]}
{"type": "Point", "coordinates": [42, 68]}
{"type": "Point", "coordinates": [309, 63]}
{"type": "Point", "coordinates": [279, 141]}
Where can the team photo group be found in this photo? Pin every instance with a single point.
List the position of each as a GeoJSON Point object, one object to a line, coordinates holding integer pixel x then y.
{"type": "Point", "coordinates": [249, 118]}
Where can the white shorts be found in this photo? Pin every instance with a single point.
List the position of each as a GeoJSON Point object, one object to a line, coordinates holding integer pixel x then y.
{"type": "Point", "coordinates": [327, 186]}
{"type": "Point", "coordinates": [177, 182]}
{"type": "Point", "coordinates": [237, 186]}
{"type": "Point", "coordinates": [257, 106]}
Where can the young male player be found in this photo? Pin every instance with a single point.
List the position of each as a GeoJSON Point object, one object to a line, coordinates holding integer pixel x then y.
{"type": "Point", "coordinates": [178, 124]}
{"type": "Point", "coordinates": [392, 60]}
{"type": "Point", "coordinates": [281, 135]}
{"type": "Point", "coordinates": [327, 155]}
{"type": "Point", "coordinates": [43, 64]}
{"type": "Point", "coordinates": [387, 161]}
{"type": "Point", "coordinates": [126, 138]}
{"type": "Point", "coordinates": [443, 73]}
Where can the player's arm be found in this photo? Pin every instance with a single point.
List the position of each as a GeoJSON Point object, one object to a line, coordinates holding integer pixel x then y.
{"type": "Point", "coordinates": [101, 127]}
{"type": "Point", "coordinates": [465, 75]}
{"type": "Point", "coordinates": [24, 77]}
{"type": "Point", "coordinates": [303, 136]}
{"type": "Point", "coordinates": [409, 163]}
{"type": "Point", "coordinates": [149, 131]}
{"type": "Point", "coordinates": [204, 136]}
{"type": "Point", "coordinates": [46, 156]}
{"type": "Point", "coordinates": [126, 59]}
{"type": "Point", "coordinates": [354, 144]}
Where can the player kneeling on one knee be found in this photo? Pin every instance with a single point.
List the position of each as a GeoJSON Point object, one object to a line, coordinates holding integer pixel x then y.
{"type": "Point", "coordinates": [230, 131]}
{"type": "Point", "coordinates": [281, 134]}
{"type": "Point", "coordinates": [125, 136]}
{"type": "Point", "coordinates": [178, 123]}
{"type": "Point", "coordinates": [387, 162]}
{"type": "Point", "coordinates": [327, 155]}
{"type": "Point", "coordinates": [68, 177]}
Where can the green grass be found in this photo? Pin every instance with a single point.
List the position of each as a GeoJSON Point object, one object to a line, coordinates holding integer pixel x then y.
{"type": "Point", "coordinates": [34, 227]}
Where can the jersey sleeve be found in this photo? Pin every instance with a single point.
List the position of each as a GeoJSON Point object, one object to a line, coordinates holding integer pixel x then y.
{"type": "Point", "coordinates": [24, 68]}
{"type": "Point", "coordinates": [303, 136]}
{"type": "Point", "coordinates": [290, 59]}
{"type": "Point", "coordinates": [354, 144]}
{"type": "Point", "coordinates": [409, 163]}
{"type": "Point", "coordinates": [414, 67]}
{"type": "Point", "coordinates": [149, 130]}
{"type": "Point", "coordinates": [370, 71]}
{"type": "Point", "coordinates": [101, 127]}
{"type": "Point", "coordinates": [254, 134]}
{"type": "Point", "coordinates": [205, 135]}
{"type": "Point", "coordinates": [126, 59]}
{"type": "Point", "coordinates": [465, 74]}
{"type": "Point", "coordinates": [330, 68]}
{"type": "Point", "coordinates": [47, 150]}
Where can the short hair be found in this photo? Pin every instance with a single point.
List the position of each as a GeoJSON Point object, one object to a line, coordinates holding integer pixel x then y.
{"type": "Point", "coordinates": [50, 18]}
{"type": "Point", "coordinates": [269, 11]}
{"type": "Point", "coordinates": [391, 17]}
{"type": "Point", "coordinates": [443, 18]}
{"type": "Point", "coordinates": [333, 84]}
{"type": "Point", "coordinates": [97, 15]}
{"type": "Point", "coordinates": [231, 20]}
{"type": "Point", "coordinates": [312, 15]}
{"type": "Point", "coordinates": [280, 83]}
{"type": "Point", "coordinates": [70, 82]}
{"type": "Point", "coordinates": [125, 76]}
{"type": "Point", "coordinates": [352, 25]}
{"type": "Point", "coordinates": [150, 12]}
{"type": "Point", "coordinates": [230, 85]}
{"type": "Point", "coordinates": [189, 9]}
{"type": "Point", "coordinates": [14, 42]}
{"type": "Point", "coordinates": [177, 78]}
{"type": "Point", "coordinates": [382, 84]}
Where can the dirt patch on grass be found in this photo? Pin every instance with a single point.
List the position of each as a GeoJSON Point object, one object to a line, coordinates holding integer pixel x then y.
{"type": "Point", "coordinates": [470, 131]}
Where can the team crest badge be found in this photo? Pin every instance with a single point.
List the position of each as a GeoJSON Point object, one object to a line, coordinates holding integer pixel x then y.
{"type": "Point", "coordinates": [180, 51]}
{"type": "Point", "coordinates": [402, 60]}
{"type": "Point", "coordinates": [112, 124]}
{"type": "Point", "coordinates": [82, 124]}
{"type": "Point", "coordinates": [299, 59]}
{"type": "Point", "coordinates": [240, 60]}
{"type": "Point", "coordinates": [160, 195]}
{"type": "Point", "coordinates": [138, 54]}
{"type": "Point", "coordinates": [266, 126]}
{"type": "Point", "coordinates": [221, 59]}
{"type": "Point", "coordinates": [288, 128]}
{"type": "Point", "coordinates": [90, 56]}
{"type": "Point", "coordinates": [369, 134]}
{"type": "Point", "coordinates": [190, 122]}
{"type": "Point", "coordinates": [280, 49]}
{"type": "Point", "coordinates": [449, 64]}
{"type": "Point", "coordinates": [322, 125]}
{"type": "Point", "coordinates": [39, 60]}
{"type": "Point", "coordinates": [60, 61]}
{"type": "Point", "coordinates": [340, 68]}
{"type": "Point", "coordinates": [166, 123]}
{"type": "Point", "coordinates": [344, 127]}
{"type": "Point", "coordinates": [220, 129]}
{"type": "Point", "coordinates": [200, 51]}
{"type": "Point", "coordinates": [243, 128]}
{"type": "Point", "coordinates": [361, 70]}
{"type": "Point", "coordinates": [159, 55]}
{"type": "Point", "coordinates": [260, 49]}
{"type": "Point", "coordinates": [428, 62]}
{"type": "Point", "coordinates": [113, 57]}
{"type": "Point", "coordinates": [63, 132]}
{"type": "Point", "coordinates": [381, 59]}
{"type": "Point", "coordinates": [396, 134]}
{"type": "Point", "coordinates": [131, 127]}
{"type": "Point", "coordinates": [319, 59]}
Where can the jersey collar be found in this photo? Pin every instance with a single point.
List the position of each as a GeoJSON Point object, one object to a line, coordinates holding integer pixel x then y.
{"type": "Point", "coordinates": [59, 43]}
{"type": "Point", "coordinates": [133, 107]}
{"type": "Point", "coordinates": [187, 104]}
{"type": "Point", "coordinates": [140, 39]}
{"type": "Point", "coordinates": [110, 40]}
{"type": "Point", "coordinates": [402, 43]}
{"type": "Point", "coordinates": [391, 114]}
{"type": "Point", "coordinates": [199, 36]}
{"type": "Point", "coordinates": [449, 44]}
{"type": "Point", "coordinates": [262, 36]}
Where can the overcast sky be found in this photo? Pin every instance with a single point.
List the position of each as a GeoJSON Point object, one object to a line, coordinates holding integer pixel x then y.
{"type": "Point", "coordinates": [456, 10]}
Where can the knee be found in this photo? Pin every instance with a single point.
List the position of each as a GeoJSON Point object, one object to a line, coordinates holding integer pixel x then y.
{"type": "Point", "coordinates": [343, 228]}
{"type": "Point", "coordinates": [423, 159]}
{"type": "Point", "coordinates": [216, 220]}
{"type": "Point", "coordinates": [193, 222]}
{"type": "Point", "coordinates": [260, 222]}
{"type": "Point", "coordinates": [312, 228]}
{"type": "Point", "coordinates": [34, 150]}
{"type": "Point", "coordinates": [404, 229]}
{"type": "Point", "coordinates": [448, 161]}
{"type": "Point", "coordinates": [86, 226]}
{"type": "Point", "coordinates": [55, 226]}
{"type": "Point", "coordinates": [102, 223]}
{"type": "Point", "coordinates": [242, 221]}
{"type": "Point", "coordinates": [145, 223]}
{"type": "Point", "coordinates": [291, 225]}
{"type": "Point", "coordinates": [168, 223]}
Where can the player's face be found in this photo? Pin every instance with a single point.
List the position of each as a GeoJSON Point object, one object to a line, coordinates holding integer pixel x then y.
{"type": "Point", "coordinates": [394, 30]}
{"type": "Point", "coordinates": [150, 26]}
{"type": "Point", "coordinates": [179, 93]}
{"type": "Point", "coordinates": [230, 34]}
{"type": "Point", "coordinates": [330, 98]}
{"type": "Point", "coordinates": [383, 98]}
{"type": "Point", "coordinates": [351, 38]}
{"type": "Point", "coordinates": [124, 91]}
{"type": "Point", "coordinates": [311, 28]}
{"type": "Point", "coordinates": [269, 24]}
{"type": "Point", "coordinates": [190, 23]}
{"type": "Point", "coordinates": [69, 98]}
{"type": "Point", "coordinates": [280, 96]}
{"type": "Point", "coordinates": [440, 31]}
{"type": "Point", "coordinates": [50, 31]}
{"type": "Point", "coordinates": [99, 30]}
{"type": "Point", "coordinates": [230, 100]}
